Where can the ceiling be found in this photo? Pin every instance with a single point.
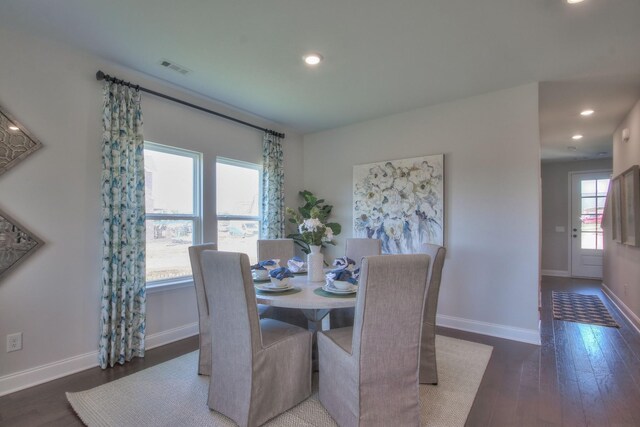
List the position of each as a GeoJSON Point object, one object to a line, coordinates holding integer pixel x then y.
{"type": "Point", "coordinates": [381, 57]}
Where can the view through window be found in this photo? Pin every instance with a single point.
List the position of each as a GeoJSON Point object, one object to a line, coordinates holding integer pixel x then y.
{"type": "Point", "coordinates": [173, 219]}
{"type": "Point", "coordinates": [593, 196]}
{"type": "Point", "coordinates": [238, 206]}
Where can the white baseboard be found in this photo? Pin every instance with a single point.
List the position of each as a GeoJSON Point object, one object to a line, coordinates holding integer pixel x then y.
{"type": "Point", "coordinates": [54, 370]}
{"type": "Point", "coordinates": [555, 273]}
{"type": "Point", "coordinates": [171, 335]}
{"type": "Point", "coordinates": [44, 373]}
{"type": "Point", "coordinates": [622, 307]}
{"type": "Point", "coordinates": [530, 336]}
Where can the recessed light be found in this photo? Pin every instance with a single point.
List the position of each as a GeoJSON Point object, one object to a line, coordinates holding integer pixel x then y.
{"type": "Point", "coordinates": [576, 137]}
{"type": "Point", "coordinates": [312, 58]}
{"type": "Point", "coordinates": [574, 1]}
{"type": "Point", "coordinates": [587, 112]}
{"type": "Point", "coordinates": [14, 127]}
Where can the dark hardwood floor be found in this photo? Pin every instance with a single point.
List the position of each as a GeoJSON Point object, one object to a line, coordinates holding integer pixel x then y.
{"type": "Point", "coordinates": [580, 375]}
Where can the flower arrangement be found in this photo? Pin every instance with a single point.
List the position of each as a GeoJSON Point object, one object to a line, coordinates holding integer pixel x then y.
{"type": "Point", "coordinates": [311, 221]}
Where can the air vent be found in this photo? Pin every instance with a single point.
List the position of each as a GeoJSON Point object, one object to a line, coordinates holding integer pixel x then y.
{"type": "Point", "coordinates": [175, 67]}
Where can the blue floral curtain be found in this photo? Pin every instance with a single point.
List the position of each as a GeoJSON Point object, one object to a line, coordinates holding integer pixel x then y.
{"type": "Point", "coordinates": [122, 319]}
{"type": "Point", "coordinates": [272, 188]}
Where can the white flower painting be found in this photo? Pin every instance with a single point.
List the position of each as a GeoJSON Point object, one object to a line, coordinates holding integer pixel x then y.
{"type": "Point", "coordinates": [400, 202]}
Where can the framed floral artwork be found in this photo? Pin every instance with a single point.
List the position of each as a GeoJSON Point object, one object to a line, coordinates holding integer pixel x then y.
{"type": "Point", "coordinates": [400, 202]}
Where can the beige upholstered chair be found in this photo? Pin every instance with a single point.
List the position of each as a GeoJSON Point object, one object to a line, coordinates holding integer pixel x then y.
{"type": "Point", "coordinates": [369, 372]}
{"type": "Point", "coordinates": [358, 248]}
{"type": "Point", "coordinates": [355, 249]}
{"type": "Point", "coordinates": [282, 249]}
{"type": "Point", "coordinates": [260, 368]}
{"type": "Point", "coordinates": [428, 367]}
{"type": "Point", "coordinates": [204, 363]}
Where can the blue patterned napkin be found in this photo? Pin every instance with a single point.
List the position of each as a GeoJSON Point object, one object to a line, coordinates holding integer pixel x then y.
{"type": "Point", "coordinates": [344, 263]}
{"type": "Point", "coordinates": [280, 273]}
{"type": "Point", "coordinates": [343, 275]}
{"type": "Point", "coordinates": [269, 264]}
{"type": "Point", "coordinates": [296, 264]}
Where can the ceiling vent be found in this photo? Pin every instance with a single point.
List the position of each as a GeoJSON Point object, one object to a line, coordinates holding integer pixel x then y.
{"type": "Point", "coordinates": [175, 67]}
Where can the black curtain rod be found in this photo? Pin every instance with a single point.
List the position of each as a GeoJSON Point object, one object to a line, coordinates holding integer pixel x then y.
{"type": "Point", "coordinates": [102, 76]}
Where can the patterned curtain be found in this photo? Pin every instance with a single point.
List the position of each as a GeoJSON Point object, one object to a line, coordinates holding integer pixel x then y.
{"type": "Point", "coordinates": [122, 319]}
{"type": "Point", "coordinates": [272, 188]}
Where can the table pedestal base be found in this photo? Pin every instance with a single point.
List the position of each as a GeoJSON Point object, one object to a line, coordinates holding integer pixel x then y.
{"type": "Point", "coordinates": [317, 320]}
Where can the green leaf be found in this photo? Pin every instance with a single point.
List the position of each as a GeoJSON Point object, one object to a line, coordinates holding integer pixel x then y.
{"type": "Point", "coordinates": [335, 227]}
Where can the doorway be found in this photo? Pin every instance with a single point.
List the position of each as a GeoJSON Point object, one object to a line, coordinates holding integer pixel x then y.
{"type": "Point", "coordinates": [588, 192]}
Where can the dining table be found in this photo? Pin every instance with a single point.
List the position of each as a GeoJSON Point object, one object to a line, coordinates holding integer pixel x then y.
{"type": "Point", "coordinates": [307, 296]}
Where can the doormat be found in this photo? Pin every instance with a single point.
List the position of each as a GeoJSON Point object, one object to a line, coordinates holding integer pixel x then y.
{"type": "Point", "coordinates": [581, 308]}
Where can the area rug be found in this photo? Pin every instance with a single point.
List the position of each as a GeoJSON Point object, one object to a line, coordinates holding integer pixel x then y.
{"type": "Point", "coordinates": [580, 308]}
{"type": "Point", "coordinates": [172, 394]}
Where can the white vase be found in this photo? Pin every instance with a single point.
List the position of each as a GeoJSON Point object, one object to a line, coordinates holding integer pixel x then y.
{"type": "Point", "coordinates": [315, 264]}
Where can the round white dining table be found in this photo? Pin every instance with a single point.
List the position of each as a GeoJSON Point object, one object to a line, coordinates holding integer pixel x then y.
{"type": "Point", "coordinates": [315, 307]}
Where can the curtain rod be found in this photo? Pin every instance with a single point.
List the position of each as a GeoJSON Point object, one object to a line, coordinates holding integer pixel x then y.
{"type": "Point", "coordinates": [102, 76]}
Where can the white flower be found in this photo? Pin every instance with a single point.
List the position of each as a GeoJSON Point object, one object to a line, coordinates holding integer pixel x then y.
{"type": "Point", "coordinates": [311, 224]}
{"type": "Point", "coordinates": [393, 228]}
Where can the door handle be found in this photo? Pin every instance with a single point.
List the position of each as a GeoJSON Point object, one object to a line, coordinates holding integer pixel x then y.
{"type": "Point", "coordinates": [575, 235]}
{"type": "Point", "coordinates": [574, 230]}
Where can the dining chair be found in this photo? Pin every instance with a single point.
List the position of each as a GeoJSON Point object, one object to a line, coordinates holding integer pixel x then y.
{"type": "Point", "coordinates": [204, 336]}
{"type": "Point", "coordinates": [428, 366]}
{"type": "Point", "coordinates": [369, 372]}
{"type": "Point", "coordinates": [282, 249]}
{"type": "Point", "coordinates": [357, 248]}
{"type": "Point", "coordinates": [260, 368]}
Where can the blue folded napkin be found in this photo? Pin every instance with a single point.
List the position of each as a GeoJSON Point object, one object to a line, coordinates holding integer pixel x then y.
{"type": "Point", "coordinates": [344, 262]}
{"type": "Point", "coordinates": [342, 274]}
{"type": "Point", "coordinates": [280, 273]}
{"type": "Point", "coordinates": [356, 274]}
{"type": "Point", "coordinates": [263, 265]}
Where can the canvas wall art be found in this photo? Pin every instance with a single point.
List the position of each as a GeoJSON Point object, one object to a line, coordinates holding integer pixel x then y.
{"type": "Point", "coordinates": [400, 202]}
{"type": "Point", "coordinates": [16, 143]}
{"type": "Point", "coordinates": [16, 243]}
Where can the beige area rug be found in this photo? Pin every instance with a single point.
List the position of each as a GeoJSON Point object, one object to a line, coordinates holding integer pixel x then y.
{"type": "Point", "coordinates": [172, 394]}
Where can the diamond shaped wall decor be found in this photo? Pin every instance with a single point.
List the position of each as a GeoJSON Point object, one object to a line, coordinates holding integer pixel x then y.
{"type": "Point", "coordinates": [16, 243]}
{"type": "Point", "coordinates": [16, 143]}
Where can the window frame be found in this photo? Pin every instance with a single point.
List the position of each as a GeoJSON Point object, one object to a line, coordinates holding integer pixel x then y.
{"type": "Point", "coordinates": [246, 165]}
{"type": "Point", "coordinates": [196, 217]}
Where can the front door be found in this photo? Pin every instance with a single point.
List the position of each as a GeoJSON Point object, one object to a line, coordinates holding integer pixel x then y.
{"type": "Point", "coordinates": [588, 194]}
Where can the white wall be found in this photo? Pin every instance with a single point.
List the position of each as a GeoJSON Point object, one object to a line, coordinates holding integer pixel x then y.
{"type": "Point", "coordinates": [54, 297]}
{"type": "Point", "coordinates": [555, 211]}
{"type": "Point", "coordinates": [622, 263]}
{"type": "Point", "coordinates": [492, 174]}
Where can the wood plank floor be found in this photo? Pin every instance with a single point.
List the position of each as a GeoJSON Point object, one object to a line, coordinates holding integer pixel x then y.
{"type": "Point", "coordinates": [580, 375]}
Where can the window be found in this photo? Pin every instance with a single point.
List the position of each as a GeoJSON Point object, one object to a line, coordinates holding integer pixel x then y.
{"type": "Point", "coordinates": [238, 206]}
{"type": "Point", "coordinates": [593, 193]}
{"type": "Point", "coordinates": [173, 206]}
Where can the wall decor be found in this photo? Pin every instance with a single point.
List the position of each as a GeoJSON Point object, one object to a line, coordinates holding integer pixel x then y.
{"type": "Point", "coordinates": [400, 202]}
{"type": "Point", "coordinates": [631, 206]}
{"type": "Point", "coordinates": [16, 143]}
{"type": "Point", "coordinates": [616, 214]}
{"type": "Point", "coordinates": [16, 243]}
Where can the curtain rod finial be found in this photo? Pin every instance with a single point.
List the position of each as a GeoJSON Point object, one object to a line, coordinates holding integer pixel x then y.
{"type": "Point", "coordinates": [99, 75]}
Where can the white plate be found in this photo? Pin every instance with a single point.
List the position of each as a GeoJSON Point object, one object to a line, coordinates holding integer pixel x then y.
{"type": "Point", "coordinates": [333, 290]}
{"type": "Point", "coordinates": [269, 288]}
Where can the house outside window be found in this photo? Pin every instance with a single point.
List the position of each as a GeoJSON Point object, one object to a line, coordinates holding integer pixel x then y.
{"type": "Point", "coordinates": [173, 197]}
{"type": "Point", "coordinates": [238, 195]}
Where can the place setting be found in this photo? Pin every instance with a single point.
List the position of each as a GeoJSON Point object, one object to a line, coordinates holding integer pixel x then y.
{"type": "Point", "coordinates": [342, 281]}
{"type": "Point", "coordinates": [269, 277]}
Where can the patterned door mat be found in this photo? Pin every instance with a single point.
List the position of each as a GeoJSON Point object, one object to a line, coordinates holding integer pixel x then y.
{"type": "Point", "coordinates": [581, 308]}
